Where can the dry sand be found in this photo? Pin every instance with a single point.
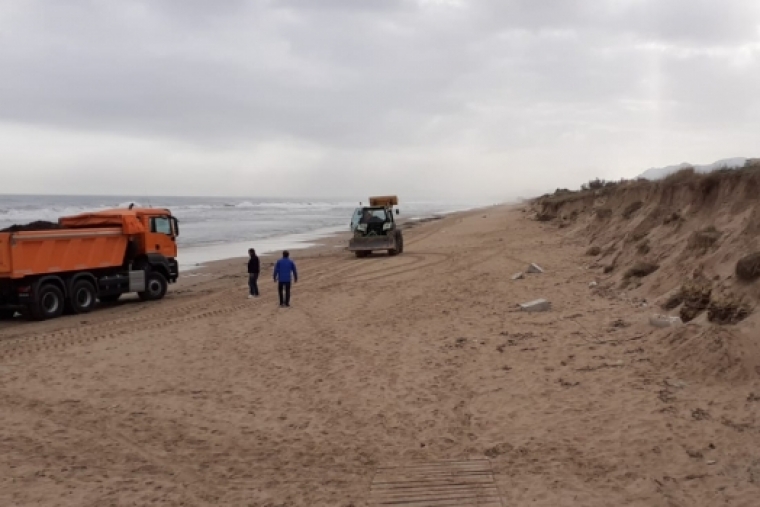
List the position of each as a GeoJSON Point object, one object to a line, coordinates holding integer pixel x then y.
{"type": "Point", "coordinates": [208, 398]}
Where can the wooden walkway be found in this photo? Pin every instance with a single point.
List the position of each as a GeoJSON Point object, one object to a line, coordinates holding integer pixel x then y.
{"type": "Point", "coordinates": [436, 484]}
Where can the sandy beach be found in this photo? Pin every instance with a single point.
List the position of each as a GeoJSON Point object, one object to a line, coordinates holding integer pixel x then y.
{"type": "Point", "coordinates": [208, 398]}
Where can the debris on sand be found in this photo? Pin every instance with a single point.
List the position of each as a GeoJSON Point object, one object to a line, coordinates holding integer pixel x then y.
{"type": "Point", "coordinates": [695, 295]}
{"type": "Point", "coordinates": [518, 276]}
{"type": "Point", "coordinates": [593, 251]}
{"type": "Point", "coordinates": [539, 305]}
{"type": "Point", "coordinates": [727, 309]}
{"type": "Point", "coordinates": [678, 384]}
{"type": "Point", "coordinates": [664, 321]}
{"type": "Point", "coordinates": [535, 268]}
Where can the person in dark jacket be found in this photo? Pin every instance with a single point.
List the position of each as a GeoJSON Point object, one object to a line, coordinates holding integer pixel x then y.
{"type": "Point", "coordinates": [254, 268]}
{"type": "Point", "coordinates": [285, 272]}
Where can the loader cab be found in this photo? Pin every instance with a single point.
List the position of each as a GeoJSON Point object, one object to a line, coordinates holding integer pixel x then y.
{"type": "Point", "coordinates": [372, 221]}
{"type": "Point", "coordinates": [355, 219]}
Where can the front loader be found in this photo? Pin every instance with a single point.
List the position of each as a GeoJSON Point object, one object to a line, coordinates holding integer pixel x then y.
{"type": "Point", "coordinates": [374, 228]}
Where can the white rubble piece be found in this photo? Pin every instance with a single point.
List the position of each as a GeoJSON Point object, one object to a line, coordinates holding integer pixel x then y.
{"type": "Point", "coordinates": [518, 276]}
{"type": "Point", "coordinates": [592, 284]}
{"type": "Point", "coordinates": [664, 321]}
{"type": "Point", "coordinates": [535, 268]}
{"type": "Point", "coordinates": [539, 305]}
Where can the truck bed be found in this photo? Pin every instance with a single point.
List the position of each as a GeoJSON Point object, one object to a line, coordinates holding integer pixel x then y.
{"type": "Point", "coordinates": [54, 251]}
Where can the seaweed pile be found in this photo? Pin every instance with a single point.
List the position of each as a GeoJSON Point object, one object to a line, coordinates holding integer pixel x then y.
{"type": "Point", "coordinates": [37, 225]}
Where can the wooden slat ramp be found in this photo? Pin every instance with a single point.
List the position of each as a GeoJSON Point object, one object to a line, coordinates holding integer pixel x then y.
{"type": "Point", "coordinates": [436, 484]}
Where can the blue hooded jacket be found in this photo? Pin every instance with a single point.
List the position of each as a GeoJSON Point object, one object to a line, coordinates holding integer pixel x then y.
{"type": "Point", "coordinates": [282, 270]}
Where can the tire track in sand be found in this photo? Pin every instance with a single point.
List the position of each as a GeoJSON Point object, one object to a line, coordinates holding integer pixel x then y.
{"type": "Point", "coordinates": [374, 265]}
{"type": "Point", "coordinates": [148, 317]}
{"type": "Point", "coordinates": [80, 336]}
{"type": "Point", "coordinates": [137, 312]}
{"type": "Point", "coordinates": [424, 261]}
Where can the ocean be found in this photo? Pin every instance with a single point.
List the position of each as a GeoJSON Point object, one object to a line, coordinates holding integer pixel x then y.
{"type": "Point", "coordinates": [215, 228]}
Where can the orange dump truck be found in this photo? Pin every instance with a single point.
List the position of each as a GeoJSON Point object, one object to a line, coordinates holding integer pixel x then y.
{"type": "Point", "coordinates": [86, 258]}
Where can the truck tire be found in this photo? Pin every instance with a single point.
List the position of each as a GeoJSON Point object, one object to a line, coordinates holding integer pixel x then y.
{"type": "Point", "coordinates": [155, 286]}
{"type": "Point", "coordinates": [110, 298]}
{"type": "Point", "coordinates": [48, 304]}
{"type": "Point", "coordinates": [362, 253]}
{"type": "Point", "coordinates": [83, 297]}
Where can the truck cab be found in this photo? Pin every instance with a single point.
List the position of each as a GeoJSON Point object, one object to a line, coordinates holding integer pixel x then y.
{"type": "Point", "coordinates": [161, 234]}
{"type": "Point", "coordinates": [159, 241]}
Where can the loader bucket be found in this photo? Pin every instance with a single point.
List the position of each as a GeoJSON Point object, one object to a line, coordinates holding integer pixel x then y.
{"type": "Point", "coordinates": [371, 243]}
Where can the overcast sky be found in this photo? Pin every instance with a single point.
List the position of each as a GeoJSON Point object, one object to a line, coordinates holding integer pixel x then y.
{"type": "Point", "coordinates": [457, 99]}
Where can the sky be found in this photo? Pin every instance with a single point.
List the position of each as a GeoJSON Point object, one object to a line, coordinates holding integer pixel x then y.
{"type": "Point", "coordinates": [459, 100]}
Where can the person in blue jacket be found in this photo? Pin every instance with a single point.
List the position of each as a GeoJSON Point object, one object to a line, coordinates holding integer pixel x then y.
{"type": "Point", "coordinates": [284, 272]}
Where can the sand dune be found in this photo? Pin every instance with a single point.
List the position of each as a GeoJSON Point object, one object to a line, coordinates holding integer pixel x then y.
{"type": "Point", "coordinates": [208, 398]}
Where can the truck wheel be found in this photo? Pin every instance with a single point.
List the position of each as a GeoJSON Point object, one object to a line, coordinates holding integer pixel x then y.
{"type": "Point", "coordinates": [155, 287]}
{"type": "Point", "coordinates": [83, 297]}
{"type": "Point", "coordinates": [110, 298]}
{"type": "Point", "coordinates": [361, 254]}
{"type": "Point", "coordinates": [48, 304]}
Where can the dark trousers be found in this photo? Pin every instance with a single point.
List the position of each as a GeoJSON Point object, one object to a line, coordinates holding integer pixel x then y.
{"type": "Point", "coordinates": [253, 283]}
{"type": "Point", "coordinates": [284, 289]}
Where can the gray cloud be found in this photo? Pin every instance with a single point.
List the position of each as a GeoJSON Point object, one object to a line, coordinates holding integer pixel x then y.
{"type": "Point", "coordinates": [435, 97]}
